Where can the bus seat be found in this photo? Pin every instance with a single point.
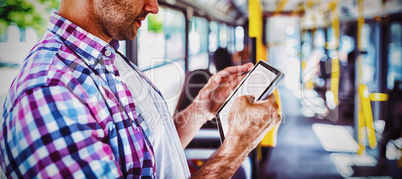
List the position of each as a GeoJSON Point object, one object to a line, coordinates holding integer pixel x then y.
{"type": "Point", "coordinates": [194, 82]}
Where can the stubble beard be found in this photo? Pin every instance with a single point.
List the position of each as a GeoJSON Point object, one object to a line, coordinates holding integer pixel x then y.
{"type": "Point", "coordinates": [115, 20]}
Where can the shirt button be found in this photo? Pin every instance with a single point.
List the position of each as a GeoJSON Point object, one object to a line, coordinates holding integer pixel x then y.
{"type": "Point", "coordinates": [108, 53]}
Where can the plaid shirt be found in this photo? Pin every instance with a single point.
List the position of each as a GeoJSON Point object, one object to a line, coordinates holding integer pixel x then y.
{"type": "Point", "coordinates": [68, 115]}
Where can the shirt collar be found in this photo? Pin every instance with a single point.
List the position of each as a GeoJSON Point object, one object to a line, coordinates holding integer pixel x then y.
{"type": "Point", "coordinates": [91, 48]}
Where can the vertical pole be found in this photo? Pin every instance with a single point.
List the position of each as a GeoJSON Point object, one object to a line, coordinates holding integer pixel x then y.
{"type": "Point", "coordinates": [255, 29]}
{"type": "Point", "coordinates": [335, 61]}
{"type": "Point", "coordinates": [208, 42]}
{"type": "Point", "coordinates": [253, 50]}
{"type": "Point", "coordinates": [132, 50]}
{"type": "Point", "coordinates": [187, 17]}
{"type": "Point", "coordinates": [360, 116]}
{"type": "Point", "coordinates": [383, 62]}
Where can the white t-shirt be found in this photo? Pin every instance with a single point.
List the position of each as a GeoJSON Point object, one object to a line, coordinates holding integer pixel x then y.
{"type": "Point", "coordinates": [152, 108]}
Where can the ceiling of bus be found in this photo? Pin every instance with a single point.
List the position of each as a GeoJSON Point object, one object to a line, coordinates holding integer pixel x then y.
{"type": "Point", "coordinates": [230, 11]}
{"type": "Point", "coordinates": [371, 7]}
{"type": "Point", "coordinates": [316, 13]}
{"type": "Point", "coordinates": [236, 11]}
{"type": "Point", "coordinates": [284, 5]}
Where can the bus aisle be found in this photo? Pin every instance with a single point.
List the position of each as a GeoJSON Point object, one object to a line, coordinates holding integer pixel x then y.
{"type": "Point", "coordinates": [310, 147]}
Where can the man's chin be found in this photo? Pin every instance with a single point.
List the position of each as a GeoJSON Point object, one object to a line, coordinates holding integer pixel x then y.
{"type": "Point", "coordinates": [126, 36]}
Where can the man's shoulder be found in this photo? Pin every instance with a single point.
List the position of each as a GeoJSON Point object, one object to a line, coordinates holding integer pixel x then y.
{"type": "Point", "coordinates": [47, 56]}
{"type": "Point", "coordinates": [45, 50]}
{"type": "Point", "coordinates": [47, 62]}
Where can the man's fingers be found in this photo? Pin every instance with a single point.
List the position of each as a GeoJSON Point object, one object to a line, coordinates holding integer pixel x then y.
{"type": "Point", "coordinates": [237, 80]}
{"type": "Point", "coordinates": [271, 105]}
{"type": "Point", "coordinates": [231, 75]}
{"type": "Point", "coordinates": [240, 69]}
{"type": "Point", "coordinates": [268, 101]}
{"type": "Point", "coordinates": [250, 98]}
{"type": "Point", "coordinates": [245, 98]}
{"type": "Point", "coordinates": [275, 104]}
{"type": "Point", "coordinates": [272, 98]}
{"type": "Point", "coordinates": [279, 118]}
{"type": "Point", "coordinates": [234, 70]}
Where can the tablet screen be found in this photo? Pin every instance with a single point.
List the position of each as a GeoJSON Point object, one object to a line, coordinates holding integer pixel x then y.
{"type": "Point", "coordinates": [256, 83]}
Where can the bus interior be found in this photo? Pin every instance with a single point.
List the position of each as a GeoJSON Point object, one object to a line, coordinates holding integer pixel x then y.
{"type": "Point", "coordinates": [341, 100]}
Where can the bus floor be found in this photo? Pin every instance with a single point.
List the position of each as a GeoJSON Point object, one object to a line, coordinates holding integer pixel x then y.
{"type": "Point", "coordinates": [300, 154]}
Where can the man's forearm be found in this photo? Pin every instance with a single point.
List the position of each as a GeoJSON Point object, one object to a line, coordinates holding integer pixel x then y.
{"type": "Point", "coordinates": [188, 122]}
{"type": "Point", "coordinates": [225, 162]}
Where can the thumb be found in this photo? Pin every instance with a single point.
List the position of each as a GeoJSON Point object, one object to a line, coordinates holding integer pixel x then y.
{"type": "Point", "coordinates": [248, 98]}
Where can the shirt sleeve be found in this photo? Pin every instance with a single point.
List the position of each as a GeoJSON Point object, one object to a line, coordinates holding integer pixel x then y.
{"type": "Point", "coordinates": [50, 133]}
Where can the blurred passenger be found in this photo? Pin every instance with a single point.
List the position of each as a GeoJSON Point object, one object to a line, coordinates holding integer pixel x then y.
{"type": "Point", "coordinates": [347, 87]}
{"type": "Point", "coordinates": [222, 59]}
{"type": "Point", "coordinates": [72, 112]}
{"type": "Point", "coordinates": [347, 58]}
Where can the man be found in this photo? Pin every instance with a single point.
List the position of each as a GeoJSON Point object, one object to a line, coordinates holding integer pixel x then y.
{"type": "Point", "coordinates": [71, 112]}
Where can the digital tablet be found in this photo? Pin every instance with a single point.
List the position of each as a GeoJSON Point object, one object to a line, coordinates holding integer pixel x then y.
{"type": "Point", "coordinates": [260, 82]}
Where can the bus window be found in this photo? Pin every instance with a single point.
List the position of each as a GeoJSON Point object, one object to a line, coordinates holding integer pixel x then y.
{"type": "Point", "coordinates": [306, 45]}
{"type": "Point", "coordinates": [239, 38]}
{"type": "Point", "coordinates": [332, 42]}
{"type": "Point", "coordinates": [223, 36]}
{"type": "Point", "coordinates": [394, 55]}
{"type": "Point", "coordinates": [231, 40]}
{"type": "Point", "coordinates": [319, 39]}
{"type": "Point", "coordinates": [346, 45]}
{"type": "Point", "coordinates": [198, 44]}
{"type": "Point", "coordinates": [161, 36]}
{"type": "Point", "coordinates": [161, 52]}
{"type": "Point", "coordinates": [213, 36]}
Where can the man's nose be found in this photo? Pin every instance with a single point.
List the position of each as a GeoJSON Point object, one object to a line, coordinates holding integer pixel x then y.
{"type": "Point", "coordinates": [152, 6]}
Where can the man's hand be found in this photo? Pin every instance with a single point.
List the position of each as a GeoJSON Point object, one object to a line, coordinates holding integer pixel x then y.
{"type": "Point", "coordinates": [249, 121]}
{"type": "Point", "coordinates": [189, 121]}
{"type": "Point", "coordinates": [218, 88]}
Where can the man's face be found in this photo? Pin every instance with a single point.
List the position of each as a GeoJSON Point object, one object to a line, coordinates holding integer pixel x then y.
{"type": "Point", "coordinates": [120, 19]}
